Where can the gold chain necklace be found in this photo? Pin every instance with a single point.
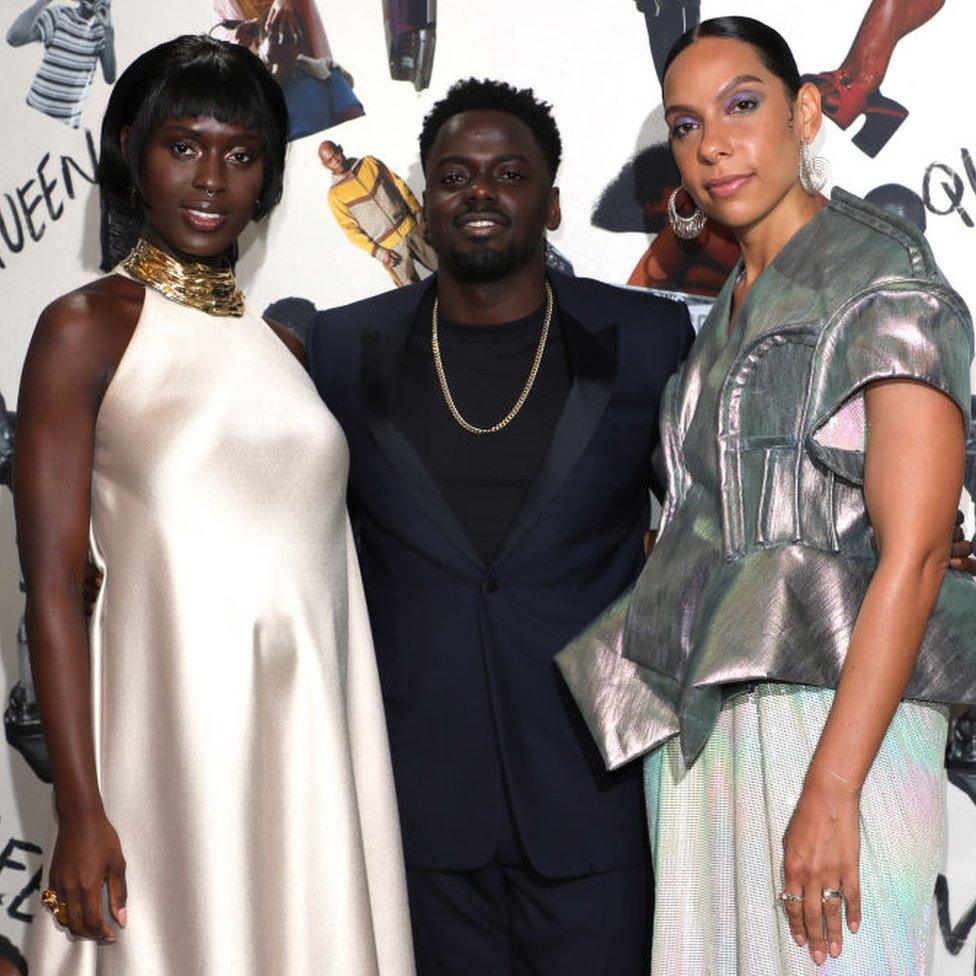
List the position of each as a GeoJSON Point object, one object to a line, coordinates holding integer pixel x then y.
{"type": "Point", "coordinates": [526, 390]}
{"type": "Point", "coordinates": [212, 290]}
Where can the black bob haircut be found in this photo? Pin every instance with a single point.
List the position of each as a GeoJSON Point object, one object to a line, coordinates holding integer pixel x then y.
{"type": "Point", "coordinates": [485, 95]}
{"type": "Point", "coordinates": [189, 77]}
{"type": "Point", "coordinates": [769, 44]}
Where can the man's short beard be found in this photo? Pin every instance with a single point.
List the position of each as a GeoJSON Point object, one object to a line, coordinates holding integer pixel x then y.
{"type": "Point", "coordinates": [483, 264]}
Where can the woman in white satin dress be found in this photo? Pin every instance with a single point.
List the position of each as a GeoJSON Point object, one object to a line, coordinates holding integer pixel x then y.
{"type": "Point", "coordinates": [222, 780]}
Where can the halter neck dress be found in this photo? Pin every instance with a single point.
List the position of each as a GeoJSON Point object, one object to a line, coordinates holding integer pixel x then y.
{"type": "Point", "coordinates": [239, 730]}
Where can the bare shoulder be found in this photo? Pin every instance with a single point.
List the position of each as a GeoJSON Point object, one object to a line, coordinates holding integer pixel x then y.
{"type": "Point", "coordinates": [290, 339]}
{"type": "Point", "coordinates": [104, 305]}
{"type": "Point", "coordinates": [87, 330]}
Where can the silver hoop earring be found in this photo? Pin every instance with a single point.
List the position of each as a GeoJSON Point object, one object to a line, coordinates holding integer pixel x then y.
{"type": "Point", "coordinates": [814, 170]}
{"type": "Point", "coordinates": [687, 228]}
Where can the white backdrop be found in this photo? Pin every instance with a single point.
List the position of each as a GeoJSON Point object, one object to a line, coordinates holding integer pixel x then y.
{"type": "Point", "coordinates": [591, 59]}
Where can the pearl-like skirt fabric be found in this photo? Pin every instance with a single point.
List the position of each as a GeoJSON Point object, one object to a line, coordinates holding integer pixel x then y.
{"type": "Point", "coordinates": [717, 830]}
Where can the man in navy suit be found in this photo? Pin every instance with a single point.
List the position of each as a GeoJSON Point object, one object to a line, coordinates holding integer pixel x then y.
{"type": "Point", "coordinates": [500, 422]}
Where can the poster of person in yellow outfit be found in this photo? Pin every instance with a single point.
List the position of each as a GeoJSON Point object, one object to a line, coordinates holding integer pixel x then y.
{"type": "Point", "coordinates": [377, 212]}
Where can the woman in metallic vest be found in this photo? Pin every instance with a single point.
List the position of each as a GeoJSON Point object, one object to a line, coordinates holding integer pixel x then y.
{"type": "Point", "coordinates": [786, 657]}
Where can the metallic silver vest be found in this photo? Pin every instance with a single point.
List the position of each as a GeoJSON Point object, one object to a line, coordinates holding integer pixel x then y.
{"type": "Point", "coordinates": [765, 549]}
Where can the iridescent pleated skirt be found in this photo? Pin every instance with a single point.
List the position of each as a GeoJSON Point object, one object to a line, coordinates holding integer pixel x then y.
{"type": "Point", "coordinates": [717, 831]}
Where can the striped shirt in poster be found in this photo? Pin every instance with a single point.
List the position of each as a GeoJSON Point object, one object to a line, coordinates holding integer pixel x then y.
{"type": "Point", "coordinates": [72, 45]}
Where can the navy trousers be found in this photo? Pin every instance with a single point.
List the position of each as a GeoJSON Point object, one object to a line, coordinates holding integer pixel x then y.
{"type": "Point", "coordinates": [505, 919]}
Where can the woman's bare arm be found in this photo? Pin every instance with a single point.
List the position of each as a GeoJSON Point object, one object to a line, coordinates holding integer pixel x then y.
{"type": "Point", "coordinates": [912, 482]}
{"type": "Point", "coordinates": [77, 344]}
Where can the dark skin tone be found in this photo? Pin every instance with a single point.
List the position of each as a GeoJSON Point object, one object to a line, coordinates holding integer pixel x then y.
{"type": "Point", "coordinates": [487, 167]}
{"type": "Point", "coordinates": [486, 163]}
{"type": "Point", "coordinates": [332, 157]}
{"type": "Point", "coordinates": [490, 162]}
{"type": "Point", "coordinates": [202, 179]}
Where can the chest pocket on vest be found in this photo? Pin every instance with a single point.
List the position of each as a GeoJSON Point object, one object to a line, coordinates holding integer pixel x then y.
{"type": "Point", "coordinates": [765, 408]}
{"type": "Point", "coordinates": [776, 518]}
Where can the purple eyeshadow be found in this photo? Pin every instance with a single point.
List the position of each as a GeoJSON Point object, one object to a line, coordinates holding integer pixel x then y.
{"type": "Point", "coordinates": [743, 96]}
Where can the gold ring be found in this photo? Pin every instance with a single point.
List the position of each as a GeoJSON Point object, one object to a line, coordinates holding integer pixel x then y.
{"type": "Point", "coordinates": [788, 896]}
{"type": "Point", "coordinates": [58, 908]}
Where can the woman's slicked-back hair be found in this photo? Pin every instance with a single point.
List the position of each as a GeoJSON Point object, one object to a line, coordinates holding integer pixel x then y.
{"type": "Point", "coordinates": [188, 77]}
{"type": "Point", "coordinates": [770, 45]}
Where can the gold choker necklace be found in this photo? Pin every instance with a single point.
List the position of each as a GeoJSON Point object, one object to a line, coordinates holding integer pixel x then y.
{"type": "Point", "coordinates": [212, 290]}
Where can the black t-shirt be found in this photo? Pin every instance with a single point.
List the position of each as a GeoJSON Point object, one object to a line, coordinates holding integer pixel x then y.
{"type": "Point", "coordinates": [484, 477]}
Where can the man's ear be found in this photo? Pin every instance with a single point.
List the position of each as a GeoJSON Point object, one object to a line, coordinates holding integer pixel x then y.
{"type": "Point", "coordinates": [555, 215]}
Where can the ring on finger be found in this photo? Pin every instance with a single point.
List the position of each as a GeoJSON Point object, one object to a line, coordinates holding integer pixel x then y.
{"type": "Point", "coordinates": [788, 897]}
{"type": "Point", "coordinates": [55, 905]}
{"type": "Point", "coordinates": [829, 894]}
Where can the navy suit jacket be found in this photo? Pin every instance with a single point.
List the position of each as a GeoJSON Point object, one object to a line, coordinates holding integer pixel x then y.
{"type": "Point", "coordinates": [475, 706]}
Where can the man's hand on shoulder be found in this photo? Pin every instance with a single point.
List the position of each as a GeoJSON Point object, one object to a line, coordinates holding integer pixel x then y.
{"type": "Point", "coordinates": [961, 551]}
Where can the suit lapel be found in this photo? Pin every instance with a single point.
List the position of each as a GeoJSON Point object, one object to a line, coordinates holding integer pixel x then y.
{"type": "Point", "coordinates": [593, 361]}
{"type": "Point", "coordinates": [591, 343]}
{"type": "Point", "coordinates": [383, 350]}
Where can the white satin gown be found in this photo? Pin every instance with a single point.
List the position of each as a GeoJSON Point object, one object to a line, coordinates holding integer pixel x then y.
{"type": "Point", "coordinates": [239, 729]}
